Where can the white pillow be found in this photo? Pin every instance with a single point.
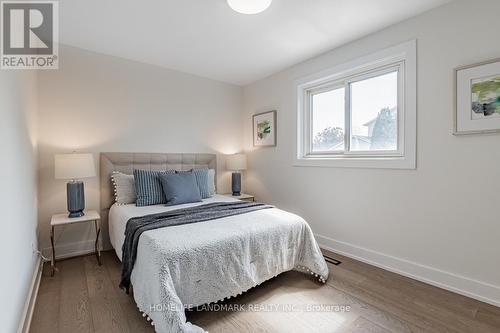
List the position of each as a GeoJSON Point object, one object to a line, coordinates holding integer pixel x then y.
{"type": "Point", "coordinates": [211, 182]}
{"type": "Point", "coordinates": [124, 188]}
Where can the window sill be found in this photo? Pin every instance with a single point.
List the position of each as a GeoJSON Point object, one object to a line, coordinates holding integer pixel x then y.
{"type": "Point", "coordinates": [357, 162]}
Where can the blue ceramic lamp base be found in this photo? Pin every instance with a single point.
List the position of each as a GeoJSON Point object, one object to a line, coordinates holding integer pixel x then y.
{"type": "Point", "coordinates": [76, 198]}
{"type": "Point", "coordinates": [236, 184]}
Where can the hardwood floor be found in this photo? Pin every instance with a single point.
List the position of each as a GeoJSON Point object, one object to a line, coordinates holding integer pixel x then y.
{"type": "Point", "coordinates": [84, 297]}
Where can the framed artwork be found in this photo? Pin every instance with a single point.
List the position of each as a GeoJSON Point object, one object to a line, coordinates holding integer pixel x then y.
{"type": "Point", "coordinates": [264, 129]}
{"type": "Point", "coordinates": [477, 98]}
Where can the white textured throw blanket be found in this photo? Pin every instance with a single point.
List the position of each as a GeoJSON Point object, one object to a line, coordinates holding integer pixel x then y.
{"type": "Point", "coordinates": [200, 263]}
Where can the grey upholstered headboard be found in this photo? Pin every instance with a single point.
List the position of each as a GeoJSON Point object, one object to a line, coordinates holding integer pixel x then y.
{"type": "Point", "coordinates": [127, 162]}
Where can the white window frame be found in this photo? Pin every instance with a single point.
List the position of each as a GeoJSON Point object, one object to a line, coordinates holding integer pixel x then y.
{"type": "Point", "coordinates": [400, 58]}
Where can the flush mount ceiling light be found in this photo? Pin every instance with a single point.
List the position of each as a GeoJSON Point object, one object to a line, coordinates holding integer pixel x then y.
{"type": "Point", "coordinates": [249, 6]}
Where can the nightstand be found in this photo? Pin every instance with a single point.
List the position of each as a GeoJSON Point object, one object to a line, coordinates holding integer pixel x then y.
{"type": "Point", "coordinates": [243, 196]}
{"type": "Point", "coordinates": [90, 216]}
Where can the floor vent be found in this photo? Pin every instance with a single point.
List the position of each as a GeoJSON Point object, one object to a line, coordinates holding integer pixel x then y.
{"type": "Point", "coordinates": [332, 260]}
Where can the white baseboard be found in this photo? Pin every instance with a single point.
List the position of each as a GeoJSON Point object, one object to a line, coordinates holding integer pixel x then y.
{"type": "Point", "coordinates": [479, 290]}
{"type": "Point", "coordinates": [70, 249]}
{"type": "Point", "coordinates": [29, 306]}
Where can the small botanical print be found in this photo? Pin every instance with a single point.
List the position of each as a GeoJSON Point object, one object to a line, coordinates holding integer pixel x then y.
{"type": "Point", "coordinates": [264, 129]}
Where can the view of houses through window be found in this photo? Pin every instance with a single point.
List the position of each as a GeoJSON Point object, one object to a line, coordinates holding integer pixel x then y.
{"type": "Point", "coordinates": [372, 111]}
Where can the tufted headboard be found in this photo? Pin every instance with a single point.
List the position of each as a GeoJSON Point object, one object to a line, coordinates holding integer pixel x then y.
{"type": "Point", "coordinates": [127, 162]}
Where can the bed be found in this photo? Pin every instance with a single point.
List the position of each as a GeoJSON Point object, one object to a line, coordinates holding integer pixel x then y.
{"type": "Point", "coordinates": [190, 265]}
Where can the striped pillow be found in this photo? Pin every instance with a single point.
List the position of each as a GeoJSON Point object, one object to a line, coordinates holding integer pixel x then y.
{"type": "Point", "coordinates": [202, 181]}
{"type": "Point", "coordinates": [148, 187]}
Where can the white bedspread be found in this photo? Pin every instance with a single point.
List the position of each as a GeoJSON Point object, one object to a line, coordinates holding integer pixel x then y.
{"type": "Point", "coordinates": [199, 263]}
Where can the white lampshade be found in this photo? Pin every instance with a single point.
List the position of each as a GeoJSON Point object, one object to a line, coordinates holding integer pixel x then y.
{"type": "Point", "coordinates": [236, 162]}
{"type": "Point", "coordinates": [249, 6]}
{"type": "Point", "coordinates": [74, 166]}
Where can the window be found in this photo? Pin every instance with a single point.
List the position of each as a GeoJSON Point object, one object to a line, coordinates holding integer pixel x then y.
{"type": "Point", "coordinates": [360, 114]}
{"type": "Point", "coordinates": [328, 121]}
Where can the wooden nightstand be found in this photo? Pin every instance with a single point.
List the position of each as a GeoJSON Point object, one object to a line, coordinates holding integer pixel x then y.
{"type": "Point", "coordinates": [63, 219]}
{"type": "Point", "coordinates": [243, 196]}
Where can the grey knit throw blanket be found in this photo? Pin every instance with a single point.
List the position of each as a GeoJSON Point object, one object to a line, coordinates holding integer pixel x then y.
{"type": "Point", "coordinates": [137, 225]}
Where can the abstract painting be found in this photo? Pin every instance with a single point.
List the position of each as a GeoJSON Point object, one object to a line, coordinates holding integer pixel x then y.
{"type": "Point", "coordinates": [264, 129]}
{"type": "Point", "coordinates": [478, 98]}
{"type": "Point", "coordinates": [486, 97]}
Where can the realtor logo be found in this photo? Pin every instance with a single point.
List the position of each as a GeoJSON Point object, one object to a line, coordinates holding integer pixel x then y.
{"type": "Point", "coordinates": [29, 37]}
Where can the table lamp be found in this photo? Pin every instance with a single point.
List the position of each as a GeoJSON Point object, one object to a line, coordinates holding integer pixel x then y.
{"type": "Point", "coordinates": [236, 163]}
{"type": "Point", "coordinates": [74, 167]}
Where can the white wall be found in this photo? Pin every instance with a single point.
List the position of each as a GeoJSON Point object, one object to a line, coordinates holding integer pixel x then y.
{"type": "Point", "coordinates": [97, 103]}
{"type": "Point", "coordinates": [18, 199]}
{"type": "Point", "coordinates": [440, 223]}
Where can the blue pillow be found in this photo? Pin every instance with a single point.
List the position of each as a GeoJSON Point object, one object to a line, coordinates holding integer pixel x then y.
{"type": "Point", "coordinates": [148, 187]}
{"type": "Point", "coordinates": [180, 188]}
{"type": "Point", "coordinates": [201, 176]}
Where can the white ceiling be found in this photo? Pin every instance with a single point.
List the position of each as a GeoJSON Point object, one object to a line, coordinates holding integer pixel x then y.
{"type": "Point", "coordinates": [207, 38]}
